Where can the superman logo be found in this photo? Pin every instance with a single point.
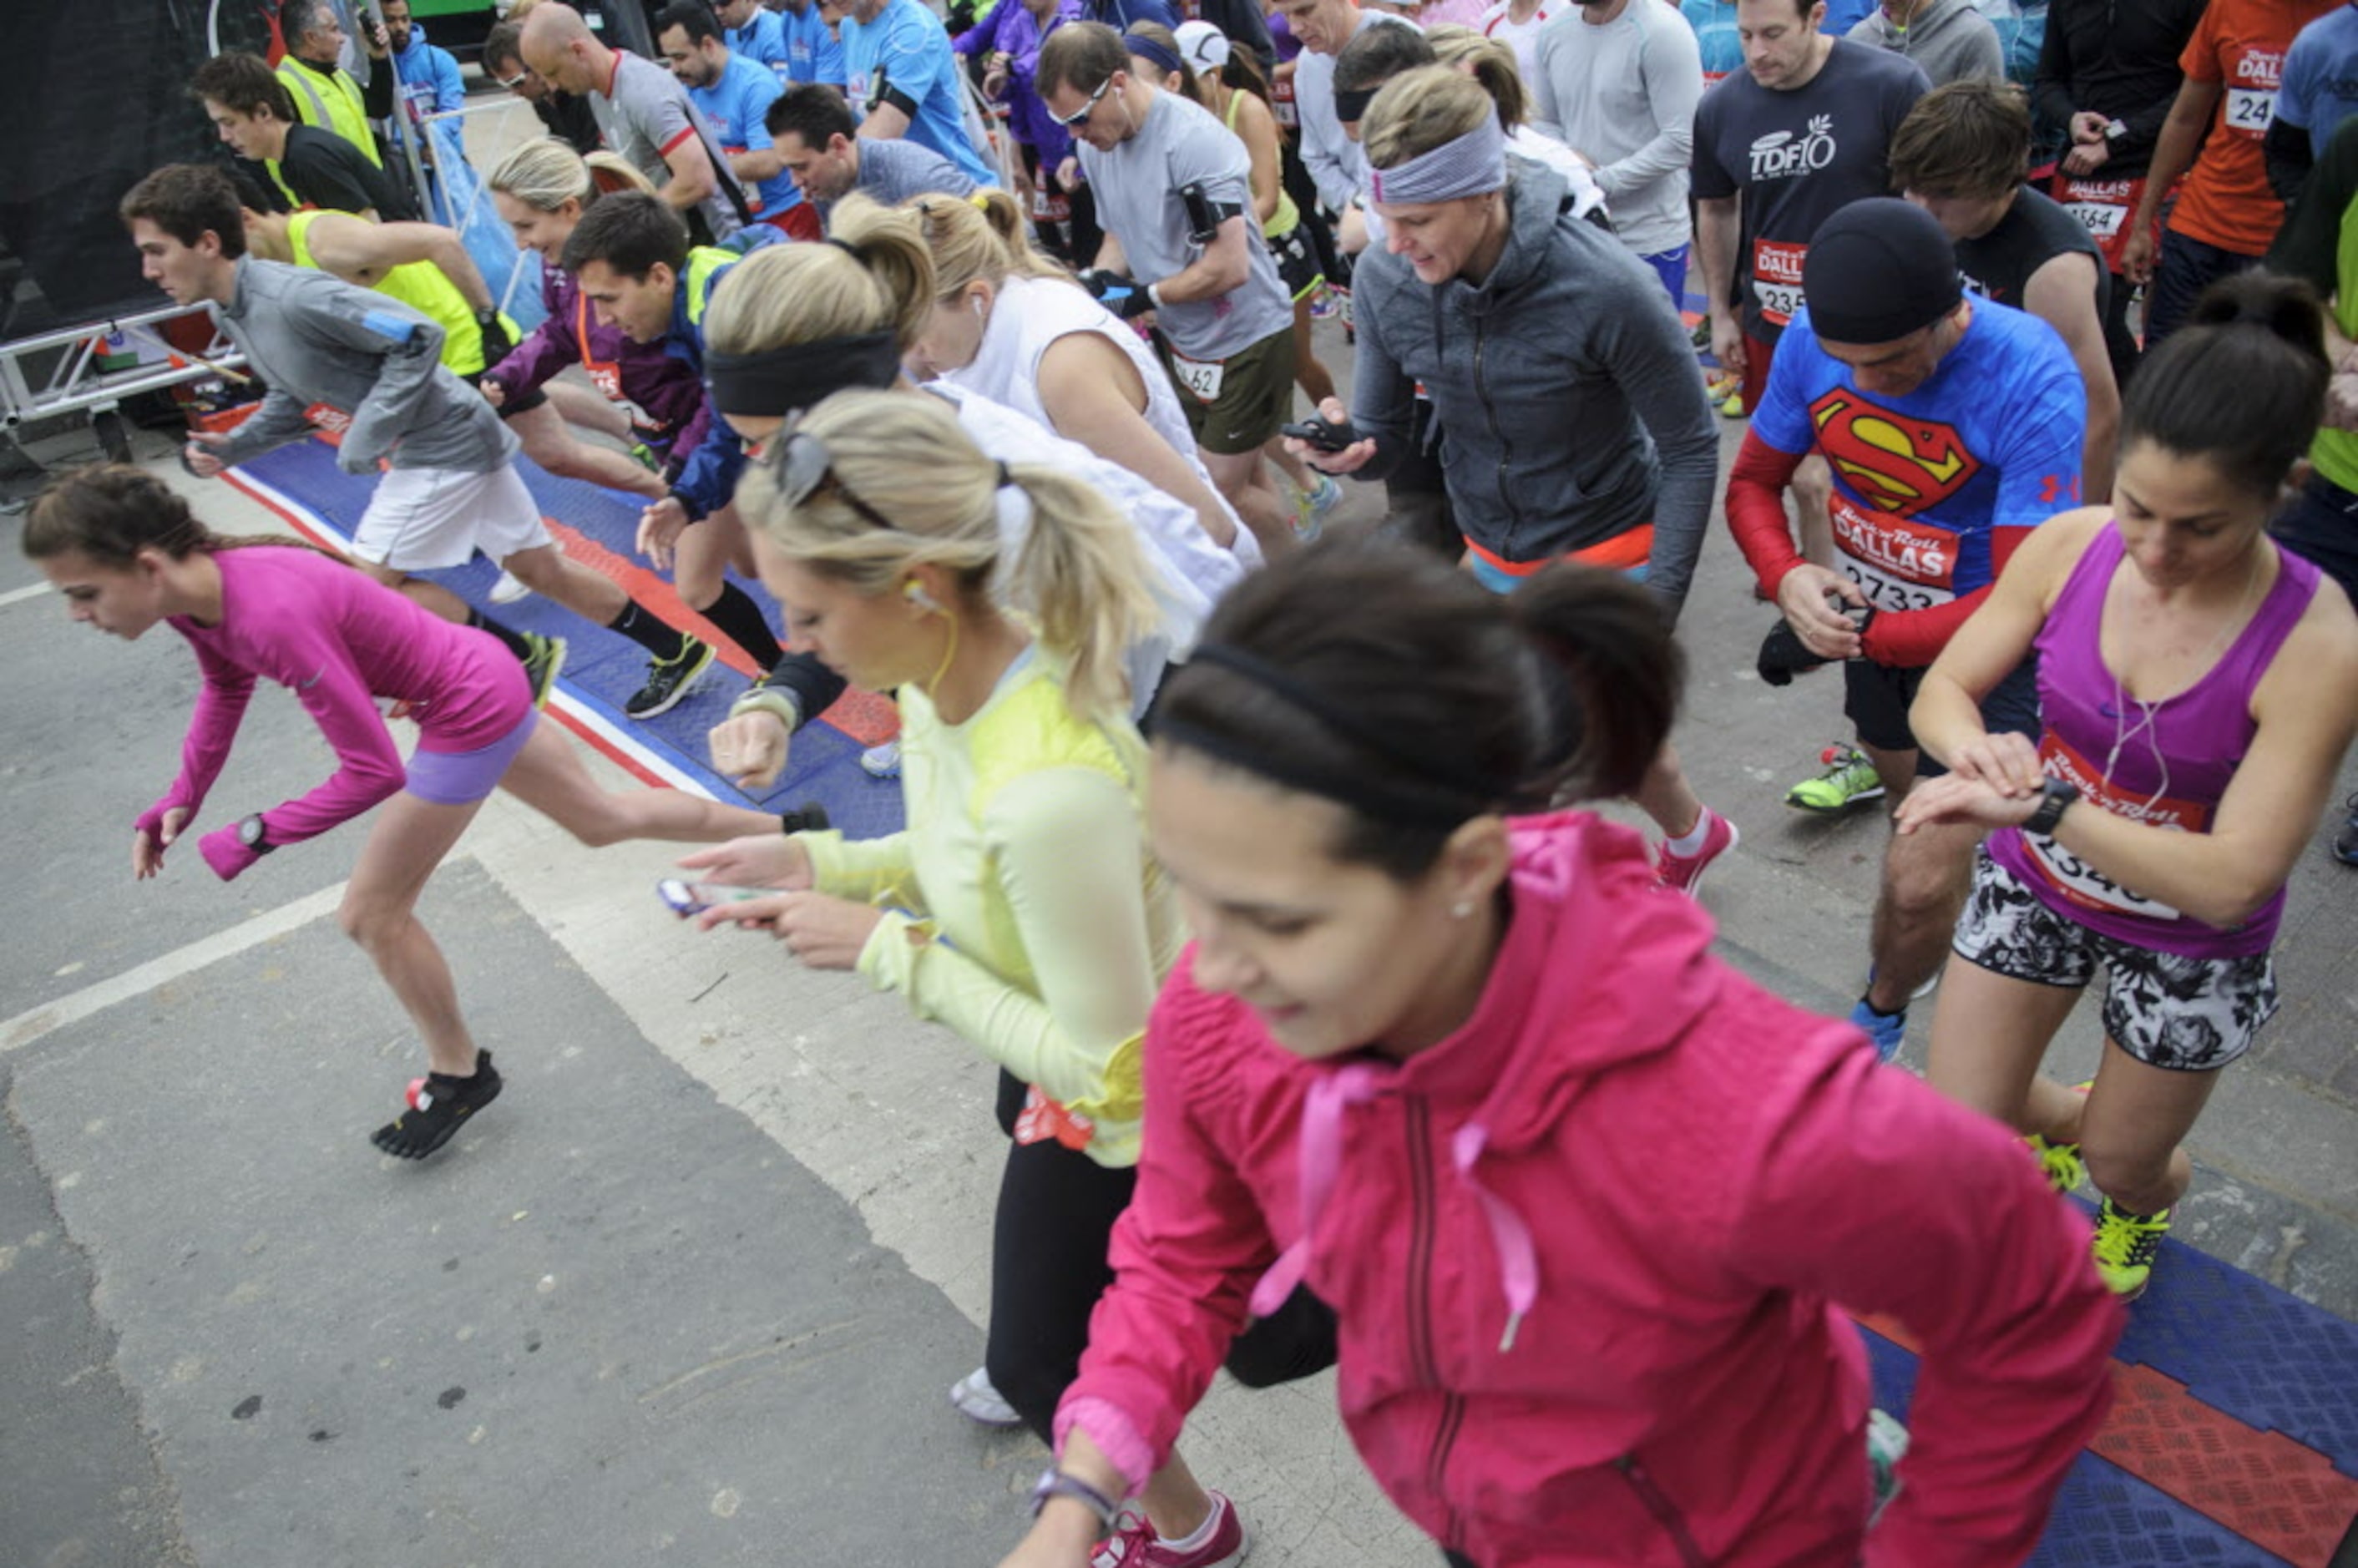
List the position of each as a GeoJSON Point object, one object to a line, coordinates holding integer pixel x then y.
{"type": "Point", "coordinates": [1893, 463]}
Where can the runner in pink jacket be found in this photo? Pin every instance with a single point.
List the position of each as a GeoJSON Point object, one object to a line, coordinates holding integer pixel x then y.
{"type": "Point", "coordinates": [1588, 1204]}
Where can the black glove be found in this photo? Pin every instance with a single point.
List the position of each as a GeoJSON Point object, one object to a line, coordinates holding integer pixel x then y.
{"type": "Point", "coordinates": [1100, 281]}
{"type": "Point", "coordinates": [497, 343]}
{"type": "Point", "coordinates": [1783, 655]}
{"type": "Point", "coordinates": [1133, 305]}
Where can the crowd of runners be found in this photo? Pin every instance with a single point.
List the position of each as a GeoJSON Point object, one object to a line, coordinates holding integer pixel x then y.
{"type": "Point", "coordinates": [1335, 1027]}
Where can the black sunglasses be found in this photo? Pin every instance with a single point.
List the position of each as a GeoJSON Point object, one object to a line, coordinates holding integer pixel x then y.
{"type": "Point", "coordinates": [802, 468]}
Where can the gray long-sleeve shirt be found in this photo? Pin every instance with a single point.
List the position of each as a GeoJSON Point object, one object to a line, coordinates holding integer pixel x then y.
{"type": "Point", "coordinates": [1948, 38]}
{"type": "Point", "coordinates": [333, 354]}
{"type": "Point", "coordinates": [1624, 94]}
{"type": "Point", "coordinates": [1563, 387]}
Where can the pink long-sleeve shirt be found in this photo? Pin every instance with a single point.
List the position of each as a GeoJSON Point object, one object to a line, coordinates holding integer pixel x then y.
{"type": "Point", "coordinates": [340, 641]}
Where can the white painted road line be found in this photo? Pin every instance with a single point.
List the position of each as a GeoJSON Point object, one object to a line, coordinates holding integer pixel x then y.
{"type": "Point", "coordinates": [33, 1024]}
{"type": "Point", "coordinates": [19, 595]}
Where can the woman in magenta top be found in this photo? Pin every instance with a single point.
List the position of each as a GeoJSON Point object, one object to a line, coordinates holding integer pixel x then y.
{"type": "Point", "coordinates": [2198, 687]}
{"type": "Point", "coordinates": [126, 553]}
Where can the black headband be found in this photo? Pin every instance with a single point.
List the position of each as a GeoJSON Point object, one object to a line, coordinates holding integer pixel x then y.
{"type": "Point", "coordinates": [1439, 792]}
{"type": "Point", "coordinates": [1350, 108]}
{"type": "Point", "coordinates": [1145, 47]}
{"type": "Point", "coordinates": [774, 383]}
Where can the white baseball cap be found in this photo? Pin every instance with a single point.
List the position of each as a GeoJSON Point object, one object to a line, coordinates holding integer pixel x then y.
{"type": "Point", "coordinates": [1202, 45]}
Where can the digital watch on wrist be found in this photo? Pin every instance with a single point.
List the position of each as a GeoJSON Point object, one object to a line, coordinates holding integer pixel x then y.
{"type": "Point", "coordinates": [2055, 797]}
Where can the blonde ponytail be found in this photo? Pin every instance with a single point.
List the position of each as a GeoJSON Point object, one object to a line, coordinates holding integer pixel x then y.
{"type": "Point", "coordinates": [1081, 574]}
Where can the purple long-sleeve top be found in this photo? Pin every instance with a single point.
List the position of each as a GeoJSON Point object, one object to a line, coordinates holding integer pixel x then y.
{"type": "Point", "coordinates": [340, 641]}
{"type": "Point", "coordinates": [1013, 31]}
{"type": "Point", "coordinates": [669, 393]}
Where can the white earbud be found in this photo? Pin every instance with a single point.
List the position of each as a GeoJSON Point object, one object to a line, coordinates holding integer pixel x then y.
{"type": "Point", "coordinates": [916, 593]}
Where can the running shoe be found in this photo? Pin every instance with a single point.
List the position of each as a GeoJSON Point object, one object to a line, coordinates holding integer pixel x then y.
{"type": "Point", "coordinates": [979, 1402]}
{"type": "Point", "coordinates": [1311, 506]}
{"type": "Point", "coordinates": [1887, 1445]}
{"type": "Point", "coordinates": [669, 680]}
{"type": "Point", "coordinates": [2345, 843]}
{"type": "Point", "coordinates": [1327, 496]}
{"type": "Point", "coordinates": [2125, 1246]}
{"type": "Point", "coordinates": [1324, 306]}
{"type": "Point", "coordinates": [1885, 1029]}
{"type": "Point", "coordinates": [1850, 779]}
{"type": "Point", "coordinates": [1701, 336]}
{"type": "Point", "coordinates": [881, 761]}
{"type": "Point", "coordinates": [1732, 406]}
{"type": "Point", "coordinates": [509, 588]}
{"type": "Point", "coordinates": [1683, 874]}
{"type": "Point", "coordinates": [1134, 1544]}
{"type": "Point", "coordinates": [2061, 1162]}
{"type": "Point", "coordinates": [540, 667]}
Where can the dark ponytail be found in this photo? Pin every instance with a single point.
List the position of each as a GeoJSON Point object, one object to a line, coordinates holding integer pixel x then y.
{"type": "Point", "coordinates": [2242, 384]}
{"type": "Point", "coordinates": [111, 512]}
{"type": "Point", "coordinates": [1398, 687]}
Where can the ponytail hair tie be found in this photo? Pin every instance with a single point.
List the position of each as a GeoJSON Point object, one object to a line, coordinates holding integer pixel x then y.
{"type": "Point", "coordinates": [848, 248]}
{"type": "Point", "coordinates": [982, 201]}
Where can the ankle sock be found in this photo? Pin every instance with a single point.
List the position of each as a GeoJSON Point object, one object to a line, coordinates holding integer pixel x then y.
{"type": "Point", "coordinates": [1202, 1536]}
{"type": "Point", "coordinates": [739, 620]}
{"type": "Point", "coordinates": [1689, 844]}
{"type": "Point", "coordinates": [1900, 1011]}
{"type": "Point", "coordinates": [507, 634]}
{"type": "Point", "coordinates": [648, 633]}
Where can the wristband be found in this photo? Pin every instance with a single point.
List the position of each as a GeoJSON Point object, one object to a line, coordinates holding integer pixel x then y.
{"type": "Point", "coordinates": [770, 699]}
{"type": "Point", "coordinates": [1055, 1483]}
{"type": "Point", "coordinates": [2055, 797]}
{"type": "Point", "coordinates": [1154, 295]}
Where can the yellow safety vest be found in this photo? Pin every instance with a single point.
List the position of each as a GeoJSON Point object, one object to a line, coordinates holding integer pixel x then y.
{"type": "Point", "coordinates": [703, 263]}
{"type": "Point", "coordinates": [333, 103]}
{"type": "Point", "coordinates": [422, 286]}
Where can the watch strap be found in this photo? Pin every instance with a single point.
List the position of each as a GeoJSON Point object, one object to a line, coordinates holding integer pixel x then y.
{"type": "Point", "coordinates": [1055, 1483]}
{"type": "Point", "coordinates": [2055, 797]}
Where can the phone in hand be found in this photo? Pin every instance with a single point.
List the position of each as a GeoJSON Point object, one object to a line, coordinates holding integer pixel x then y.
{"type": "Point", "coordinates": [685, 898]}
{"type": "Point", "coordinates": [1322, 435]}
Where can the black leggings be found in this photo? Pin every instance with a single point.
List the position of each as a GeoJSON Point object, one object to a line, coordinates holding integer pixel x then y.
{"type": "Point", "coordinates": [1048, 1267]}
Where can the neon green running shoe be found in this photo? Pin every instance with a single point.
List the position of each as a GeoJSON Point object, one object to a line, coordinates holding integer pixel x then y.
{"type": "Point", "coordinates": [1849, 779]}
{"type": "Point", "coordinates": [2124, 1247]}
{"type": "Point", "coordinates": [2061, 1162]}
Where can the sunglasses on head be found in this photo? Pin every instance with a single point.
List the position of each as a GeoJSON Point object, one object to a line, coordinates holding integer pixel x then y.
{"type": "Point", "coordinates": [801, 467]}
{"type": "Point", "coordinates": [1072, 122]}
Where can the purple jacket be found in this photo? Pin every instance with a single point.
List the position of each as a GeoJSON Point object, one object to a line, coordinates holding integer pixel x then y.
{"type": "Point", "coordinates": [1012, 29]}
{"type": "Point", "coordinates": [668, 391]}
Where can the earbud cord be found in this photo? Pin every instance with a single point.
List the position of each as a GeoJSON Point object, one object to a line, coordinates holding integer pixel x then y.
{"type": "Point", "coordinates": [2123, 732]}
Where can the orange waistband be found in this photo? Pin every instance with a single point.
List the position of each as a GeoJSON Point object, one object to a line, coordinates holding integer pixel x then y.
{"type": "Point", "coordinates": [1621, 552]}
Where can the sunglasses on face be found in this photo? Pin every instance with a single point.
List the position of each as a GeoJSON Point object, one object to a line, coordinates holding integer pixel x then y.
{"type": "Point", "coordinates": [803, 467]}
{"type": "Point", "coordinates": [1072, 122]}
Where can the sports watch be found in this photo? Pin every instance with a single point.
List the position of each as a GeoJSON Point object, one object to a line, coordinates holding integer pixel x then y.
{"type": "Point", "coordinates": [1055, 1483]}
{"type": "Point", "coordinates": [2055, 797]}
{"type": "Point", "coordinates": [250, 834]}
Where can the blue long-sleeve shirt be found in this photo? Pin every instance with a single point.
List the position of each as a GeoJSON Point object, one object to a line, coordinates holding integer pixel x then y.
{"type": "Point", "coordinates": [429, 76]}
{"type": "Point", "coordinates": [1012, 29]}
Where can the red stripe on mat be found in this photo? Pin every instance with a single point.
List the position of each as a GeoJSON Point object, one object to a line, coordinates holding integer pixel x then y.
{"type": "Point", "coordinates": [2272, 1490]}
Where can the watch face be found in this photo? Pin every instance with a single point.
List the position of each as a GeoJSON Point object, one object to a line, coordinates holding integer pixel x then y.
{"type": "Point", "coordinates": [249, 831]}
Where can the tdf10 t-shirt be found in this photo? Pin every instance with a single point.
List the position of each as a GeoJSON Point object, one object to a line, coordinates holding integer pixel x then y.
{"type": "Point", "coordinates": [1796, 158]}
{"type": "Point", "coordinates": [904, 57]}
{"type": "Point", "coordinates": [1921, 484]}
{"type": "Point", "coordinates": [1138, 183]}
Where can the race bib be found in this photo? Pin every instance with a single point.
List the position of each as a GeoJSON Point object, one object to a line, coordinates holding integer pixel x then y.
{"type": "Point", "coordinates": [607, 377]}
{"type": "Point", "coordinates": [1900, 563]}
{"type": "Point", "coordinates": [2250, 110]}
{"type": "Point", "coordinates": [2103, 208]}
{"type": "Point", "coordinates": [1281, 100]}
{"type": "Point", "coordinates": [2101, 219]}
{"type": "Point", "coordinates": [328, 418]}
{"type": "Point", "coordinates": [855, 92]}
{"type": "Point", "coordinates": [1777, 279]}
{"type": "Point", "coordinates": [1050, 205]}
{"type": "Point", "coordinates": [2080, 882]}
{"type": "Point", "coordinates": [1201, 377]}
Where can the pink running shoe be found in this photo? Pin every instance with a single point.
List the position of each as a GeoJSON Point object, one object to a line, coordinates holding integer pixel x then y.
{"type": "Point", "coordinates": [1683, 874]}
{"type": "Point", "coordinates": [1135, 1545]}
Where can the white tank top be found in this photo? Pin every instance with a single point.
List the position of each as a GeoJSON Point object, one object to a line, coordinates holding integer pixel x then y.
{"type": "Point", "coordinates": [1031, 313]}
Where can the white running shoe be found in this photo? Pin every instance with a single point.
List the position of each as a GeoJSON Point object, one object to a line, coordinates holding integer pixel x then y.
{"type": "Point", "coordinates": [979, 1402]}
{"type": "Point", "coordinates": [507, 591]}
{"type": "Point", "coordinates": [882, 763]}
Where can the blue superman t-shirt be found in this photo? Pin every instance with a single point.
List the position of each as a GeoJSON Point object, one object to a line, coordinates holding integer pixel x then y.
{"type": "Point", "coordinates": [904, 57]}
{"type": "Point", "coordinates": [1991, 440]}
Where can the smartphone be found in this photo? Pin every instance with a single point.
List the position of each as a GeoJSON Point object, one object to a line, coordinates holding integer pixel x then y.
{"type": "Point", "coordinates": [1320, 435]}
{"type": "Point", "coordinates": [687, 898]}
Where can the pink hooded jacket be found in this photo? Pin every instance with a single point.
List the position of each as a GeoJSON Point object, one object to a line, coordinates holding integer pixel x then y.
{"type": "Point", "coordinates": [1585, 1254]}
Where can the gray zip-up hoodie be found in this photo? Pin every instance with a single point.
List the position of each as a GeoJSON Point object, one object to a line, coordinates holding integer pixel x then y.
{"type": "Point", "coordinates": [331, 351]}
{"type": "Point", "coordinates": [1564, 390]}
{"type": "Point", "coordinates": [1948, 40]}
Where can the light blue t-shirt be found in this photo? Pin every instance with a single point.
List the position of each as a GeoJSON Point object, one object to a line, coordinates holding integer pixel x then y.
{"type": "Point", "coordinates": [1714, 22]}
{"type": "Point", "coordinates": [905, 57]}
{"type": "Point", "coordinates": [734, 105]}
{"type": "Point", "coordinates": [2321, 77]}
{"type": "Point", "coordinates": [762, 40]}
{"type": "Point", "coordinates": [1842, 15]}
{"type": "Point", "coordinates": [812, 53]}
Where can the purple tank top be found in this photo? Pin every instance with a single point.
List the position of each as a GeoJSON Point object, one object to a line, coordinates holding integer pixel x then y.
{"type": "Point", "coordinates": [2166, 762]}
